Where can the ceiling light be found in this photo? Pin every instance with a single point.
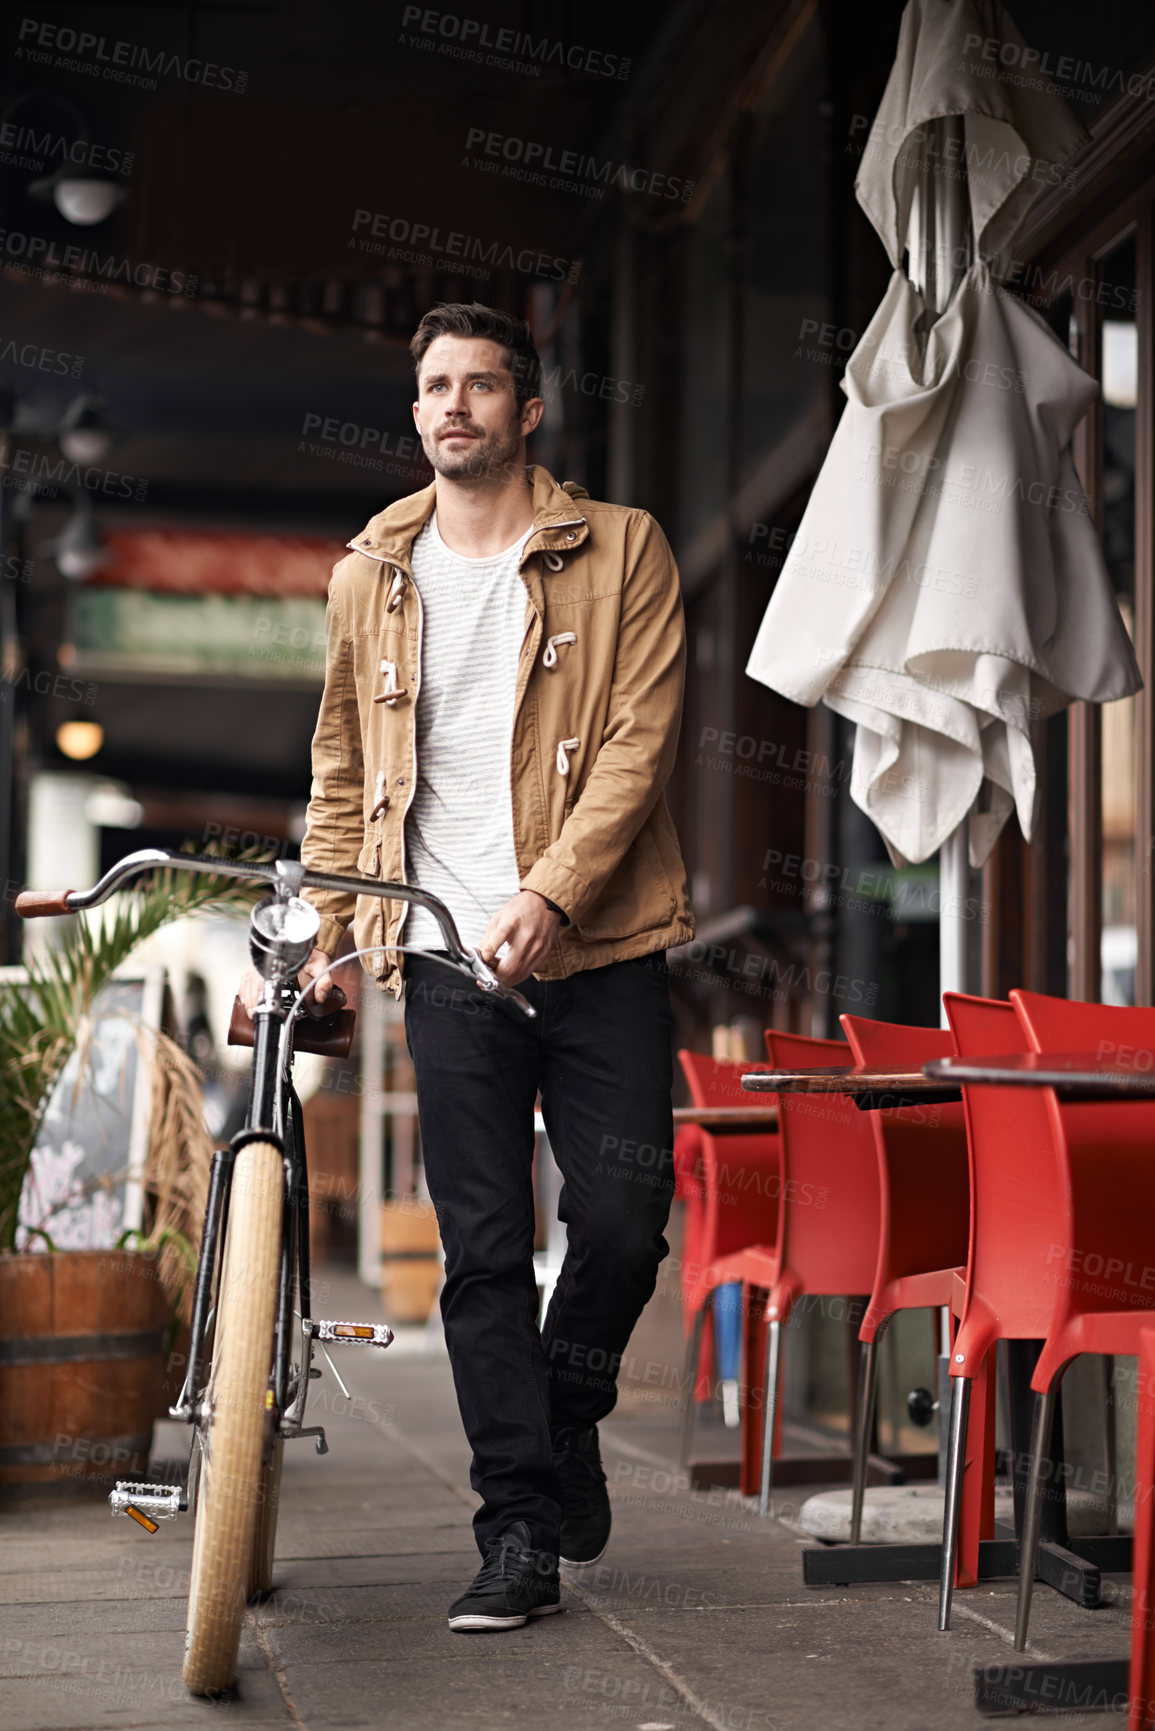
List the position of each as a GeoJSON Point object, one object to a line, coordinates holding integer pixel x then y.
{"type": "Point", "coordinates": [78, 550]}
{"type": "Point", "coordinates": [82, 195]}
{"type": "Point", "coordinates": [86, 201]}
{"type": "Point", "coordinates": [83, 199]}
{"type": "Point", "coordinates": [79, 739]}
{"type": "Point", "coordinates": [84, 435]}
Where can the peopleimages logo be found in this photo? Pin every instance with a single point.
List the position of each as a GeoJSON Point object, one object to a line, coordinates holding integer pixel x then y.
{"type": "Point", "coordinates": [42, 360]}
{"type": "Point", "coordinates": [450, 249]}
{"type": "Point", "coordinates": [24, 469]}
{"type": "Point", "coordinates": [1017, 64]}
{"type": "Point", "coordinates": [24, 147]}
{"type": "Point", "coordinates": [470, 37]}
{"type": "Point", "coordinates": [539, 164]}
{"type": "Point", "coordinates": [59, 685]}
{"type": "Point", "coordinates": [119, 61]}
{"type": "Point", "coordinates": [46, 255]}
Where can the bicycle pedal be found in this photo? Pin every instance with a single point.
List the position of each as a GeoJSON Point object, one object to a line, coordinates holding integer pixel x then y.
{"type": "Point", "coordinates": [317, 1431]}
{"type": "Point", "coordinates": [147, 1504]}
{"type": "Point", "coordinates": [348, 1333]}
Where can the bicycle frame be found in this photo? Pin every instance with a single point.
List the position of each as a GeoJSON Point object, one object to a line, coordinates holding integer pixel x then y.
{"type": "Point", "coordinates": [268, 1079]}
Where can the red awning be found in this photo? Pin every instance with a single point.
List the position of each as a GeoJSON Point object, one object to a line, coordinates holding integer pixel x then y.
{"type": "Point", "coordinates": [188, 562]}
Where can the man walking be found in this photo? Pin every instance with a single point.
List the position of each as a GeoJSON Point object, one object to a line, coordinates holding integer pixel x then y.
{"type": "Point", "coordinates": [500, 715]}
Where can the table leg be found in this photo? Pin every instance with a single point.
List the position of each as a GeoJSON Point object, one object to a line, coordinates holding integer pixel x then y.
{"type": "Point", "coordinates": [984, 1552]}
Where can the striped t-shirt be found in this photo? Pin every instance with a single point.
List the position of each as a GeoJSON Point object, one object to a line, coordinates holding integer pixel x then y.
{"type": "Point", "coordinates": [459, 829]}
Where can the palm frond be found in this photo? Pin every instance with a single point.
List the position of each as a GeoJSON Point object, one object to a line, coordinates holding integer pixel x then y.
{"type": "Point", "coordinates": [176, 1180]}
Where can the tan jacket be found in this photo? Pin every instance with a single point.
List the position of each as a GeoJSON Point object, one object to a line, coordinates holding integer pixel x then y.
{"type": "Point", "coordinates": [591, 827]}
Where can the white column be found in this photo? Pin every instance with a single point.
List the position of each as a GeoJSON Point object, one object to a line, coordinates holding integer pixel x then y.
{"type": "Point", "coordinates": [63, 845]}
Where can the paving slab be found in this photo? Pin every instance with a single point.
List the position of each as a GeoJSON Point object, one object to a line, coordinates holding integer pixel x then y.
{"type": "Point", "coordinates": [144, 1701]}
{"type": "Point", "coordinates": [533, 1687]}
{"type": "Point", "coordinates": [413, 1634]}
{"type": "Point", "coordinates": [56, 1623]}
{"type": "Point", "coordinates": [328, 1573]}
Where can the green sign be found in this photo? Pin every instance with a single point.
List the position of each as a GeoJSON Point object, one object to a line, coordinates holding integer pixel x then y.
{"type": "Point", "coordinates": [245, 636]}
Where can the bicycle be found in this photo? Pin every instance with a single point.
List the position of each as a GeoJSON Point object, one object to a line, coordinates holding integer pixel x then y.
{"type": "Point", "coordinates": [244, 1394]}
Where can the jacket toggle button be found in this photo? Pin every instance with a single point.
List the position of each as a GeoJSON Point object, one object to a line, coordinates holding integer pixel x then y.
{"type": "Point", "coordinates": [549, 659]}
{"type": "Point", "coordinates": [564, 746]}
{"type": "Point", "coordinates": [392, 692]}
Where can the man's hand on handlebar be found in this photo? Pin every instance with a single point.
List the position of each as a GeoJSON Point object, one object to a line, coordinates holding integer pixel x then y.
{"type": "Point", "coordinates": [252, 985]}
{"type": "Point", "coordinates": [530, 928]}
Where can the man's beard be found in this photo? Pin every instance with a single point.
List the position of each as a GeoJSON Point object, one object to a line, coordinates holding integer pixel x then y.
{"type": "Point", "coordinates": [488, 456]}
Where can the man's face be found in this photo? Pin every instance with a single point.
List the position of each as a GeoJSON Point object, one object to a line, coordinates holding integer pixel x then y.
{"type": "Point", "coordinates": [466, 413]}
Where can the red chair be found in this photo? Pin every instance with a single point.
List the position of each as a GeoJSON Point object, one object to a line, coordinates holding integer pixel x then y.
{"type": "Point", "coordinates": [924, 1217]}
{"type": "Point", "coordinates": [1015, 1219]}
{"type": "Point", "coordinates": [733, 1185]}
{"type": "Point", "coordinates": [690, 1191]}
{"type": "Point", "coordinates": [1099, 1227]}
{"type": "Point", "coordinates": [828, 1223]}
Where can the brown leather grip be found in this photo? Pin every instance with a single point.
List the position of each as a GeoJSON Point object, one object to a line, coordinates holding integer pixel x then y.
{"type": "Point", "coordinates": [34, 904]}
{"type": "Point", "coordinates": [327, 1036]}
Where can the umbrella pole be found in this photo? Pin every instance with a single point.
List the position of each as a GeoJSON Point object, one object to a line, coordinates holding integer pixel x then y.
{"type": "Point", "coordinates": [952, 900]}
{"type": "Point", "coordinates": [940, 251]}
{"type": "Point", "coordinates": [940, 240]}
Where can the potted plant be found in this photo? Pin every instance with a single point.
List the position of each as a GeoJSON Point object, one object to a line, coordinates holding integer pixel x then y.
{"type": "Point", "coordinates": [86, 1335]}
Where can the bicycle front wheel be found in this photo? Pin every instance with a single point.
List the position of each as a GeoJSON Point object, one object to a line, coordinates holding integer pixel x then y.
{"type": "Point", "coordinates": [265, 1536]}
{"type": "Point", "coordinates": [235, 1428]}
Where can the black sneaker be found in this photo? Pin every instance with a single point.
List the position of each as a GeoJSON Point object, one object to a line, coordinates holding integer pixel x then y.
{"type": "Point", "coordinates": [585, 1508]}
{"type": "Point", "coordinates": [514, 1582]}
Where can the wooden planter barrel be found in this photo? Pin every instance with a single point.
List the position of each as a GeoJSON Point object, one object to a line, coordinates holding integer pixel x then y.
{"type": "Point", "coordinates": [83, 1337]}
{"type": "Point", "coordinates": [410, 1264]}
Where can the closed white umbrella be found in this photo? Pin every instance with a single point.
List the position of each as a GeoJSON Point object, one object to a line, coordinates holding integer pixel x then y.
{"type": "Point", "coordinates": [946, 587]}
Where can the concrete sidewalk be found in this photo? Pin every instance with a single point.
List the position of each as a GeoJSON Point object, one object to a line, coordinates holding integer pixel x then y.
{"type": "Point", "coordinates": [696, 1617]}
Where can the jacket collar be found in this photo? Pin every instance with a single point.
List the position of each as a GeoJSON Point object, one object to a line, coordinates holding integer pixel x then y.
{"type": "Point", "coordinates": [558, 522]}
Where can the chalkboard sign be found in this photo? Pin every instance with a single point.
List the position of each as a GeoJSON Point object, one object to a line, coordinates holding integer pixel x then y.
{"type": "Point", "coordinates": [85, 1182]}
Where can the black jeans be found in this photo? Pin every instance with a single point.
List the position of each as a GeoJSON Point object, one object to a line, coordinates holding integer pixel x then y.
{"type": "Point", "coordinates": [600, 1053]}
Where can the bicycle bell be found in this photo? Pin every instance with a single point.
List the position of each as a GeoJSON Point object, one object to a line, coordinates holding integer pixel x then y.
{"type": "Point", "coordinates": [282, 932]}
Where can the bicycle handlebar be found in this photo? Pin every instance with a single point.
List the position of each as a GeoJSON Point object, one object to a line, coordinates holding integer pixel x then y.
{"type": "Point", "coordinates": [36, 904]}
{"type": "Point", "coordinates": [33, 904]}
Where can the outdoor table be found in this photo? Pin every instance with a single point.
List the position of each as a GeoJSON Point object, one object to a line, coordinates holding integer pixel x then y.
{"type": "Point", "coordinates": [1075, 1574]}
{"type": "Point", "coordinates": [718, 1120]}
{"type": "Point", "coordinates": [871, 1090]}
{"type": "Point", "coordinates": [728, 1120]}
{"type": "Point", "coordinates": [1077, 1078]}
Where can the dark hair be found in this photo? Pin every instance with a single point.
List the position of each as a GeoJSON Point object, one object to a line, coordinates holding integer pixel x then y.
{"type": "Point", "coordinates": [456, 319]}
